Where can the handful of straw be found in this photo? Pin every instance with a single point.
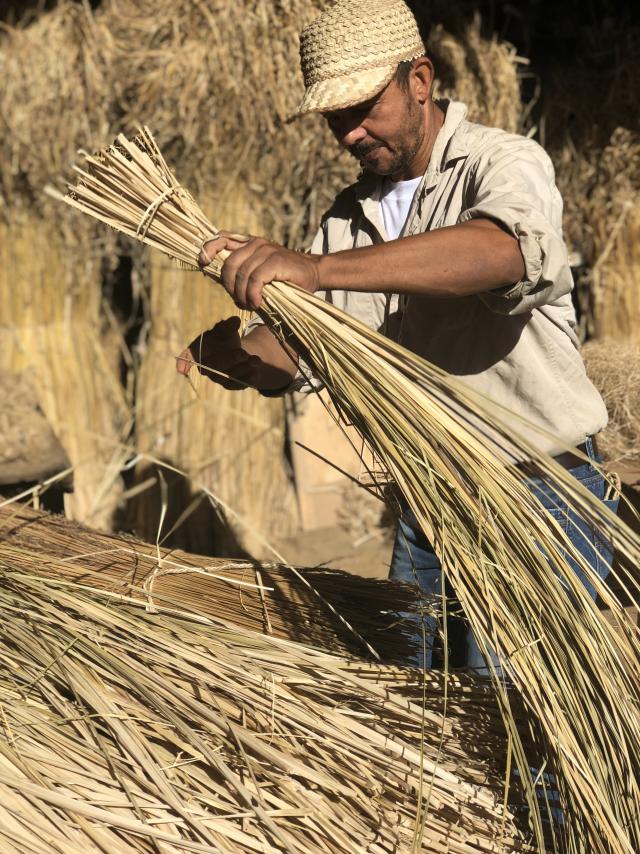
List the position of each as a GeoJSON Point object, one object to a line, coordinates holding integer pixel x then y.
{"type": "Point", "coordinates": [506, 558]}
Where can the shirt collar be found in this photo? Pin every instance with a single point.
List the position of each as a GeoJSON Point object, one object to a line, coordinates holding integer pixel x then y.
{"type": "Point", "coordinates": [454, 114]}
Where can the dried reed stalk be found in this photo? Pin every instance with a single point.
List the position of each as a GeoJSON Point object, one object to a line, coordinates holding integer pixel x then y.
{"type": "Point", "coordinates": [129, 731]}
{"type": "Point", "coordinates": [445, 446]}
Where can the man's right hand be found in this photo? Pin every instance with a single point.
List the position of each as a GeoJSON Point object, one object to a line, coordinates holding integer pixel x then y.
{"type": "Point", "coordinates": [218, 354]}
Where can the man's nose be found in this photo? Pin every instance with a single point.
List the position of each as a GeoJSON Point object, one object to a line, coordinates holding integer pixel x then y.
{"type": "Point", "coordinates": [346, 126]}
{"type": "Point", "coordinates": [352, 136]}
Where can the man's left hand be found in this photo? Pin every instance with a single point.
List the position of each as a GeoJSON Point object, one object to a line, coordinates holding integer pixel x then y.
{"type": "Point", "coordinates": [255, 262]}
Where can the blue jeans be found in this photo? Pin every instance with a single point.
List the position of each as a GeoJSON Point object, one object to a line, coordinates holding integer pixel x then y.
{"type": "Point", "coordinates": [415, 562]}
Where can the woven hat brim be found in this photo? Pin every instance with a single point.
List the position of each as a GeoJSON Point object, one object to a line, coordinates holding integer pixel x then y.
{"type": "Point", "coordinates": [338, 93]}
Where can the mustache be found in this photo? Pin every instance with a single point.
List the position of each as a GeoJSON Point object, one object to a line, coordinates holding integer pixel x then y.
{"type": "Point", "coordinates": [361, 149]}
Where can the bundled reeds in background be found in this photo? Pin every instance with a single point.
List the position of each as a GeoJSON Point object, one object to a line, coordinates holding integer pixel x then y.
{"type": "Point", "coordinates": [54, 97]}
{"type": "Point", "coordinates": [233, 445]}
{"type": "Point", "coordinates": [50, 285]}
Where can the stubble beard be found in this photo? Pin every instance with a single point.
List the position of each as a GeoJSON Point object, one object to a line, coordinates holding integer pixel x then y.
{"type": "Point", "coordinates": [403, 152]}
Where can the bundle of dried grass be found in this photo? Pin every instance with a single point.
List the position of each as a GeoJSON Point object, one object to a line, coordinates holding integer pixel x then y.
{"type": "Point", "coordinates": [614, 368]}
{"type": "Point", "coordinates": [49, 293]}
{"type": "Point", "coordinates": [300, 605]}
{"type": "Point", "coordinates": [507, 559]}
{"type": "Point", "coordinates": [602, 217]}
{"type": "Point", "coordinates": [481, 72]}
{"type": "Point", "coordinates": [129, 731]}
{"type": "Point", "coordinates": [54, 98]}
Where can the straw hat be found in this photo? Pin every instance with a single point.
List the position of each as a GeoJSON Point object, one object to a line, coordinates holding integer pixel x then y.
{"type": "Point", "coordinates": [352, 50]}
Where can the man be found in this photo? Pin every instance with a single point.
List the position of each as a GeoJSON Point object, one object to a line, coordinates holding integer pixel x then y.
{"type": "Point", "coordinates": [451, 242]}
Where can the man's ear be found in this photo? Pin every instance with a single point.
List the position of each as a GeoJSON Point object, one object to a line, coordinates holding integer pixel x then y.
{"type": "Point", "coordinates": [421, 78]}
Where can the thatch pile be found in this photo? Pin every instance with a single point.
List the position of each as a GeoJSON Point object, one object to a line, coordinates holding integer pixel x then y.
{"type": "Point", "coordinates": [127, 727]}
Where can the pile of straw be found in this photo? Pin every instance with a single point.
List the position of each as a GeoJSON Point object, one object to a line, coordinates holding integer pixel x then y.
{"type": "Point", "coordinates": [614, 367]}
{"type": "Point", "coordinates": [125, 730]}
{"type": "Point", "coordinates": [506, 558]}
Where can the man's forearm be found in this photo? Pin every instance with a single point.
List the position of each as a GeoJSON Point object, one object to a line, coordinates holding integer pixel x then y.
{"type": "Point", "coordinates": [278, 365]}
{"type": "Point", "coordinates": [456, 261]}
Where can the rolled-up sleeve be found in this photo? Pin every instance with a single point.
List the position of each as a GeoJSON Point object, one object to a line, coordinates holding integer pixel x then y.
{"type": "Point", "coordinates": [514, 185]}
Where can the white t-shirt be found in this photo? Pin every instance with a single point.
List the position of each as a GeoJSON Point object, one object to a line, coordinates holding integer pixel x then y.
{"type": "Point", "coordinates": [395, 201]}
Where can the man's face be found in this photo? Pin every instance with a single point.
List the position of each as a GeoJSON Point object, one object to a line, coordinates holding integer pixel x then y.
{"type": "Point", "coordinates": [384, 133]}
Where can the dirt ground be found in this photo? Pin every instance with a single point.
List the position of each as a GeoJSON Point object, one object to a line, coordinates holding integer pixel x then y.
{"type": "Point", "coordinates": [336, 548]}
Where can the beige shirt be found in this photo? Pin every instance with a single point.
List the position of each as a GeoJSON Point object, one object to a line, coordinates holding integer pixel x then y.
{"type": "Point", "coordinates": [515, 344]}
